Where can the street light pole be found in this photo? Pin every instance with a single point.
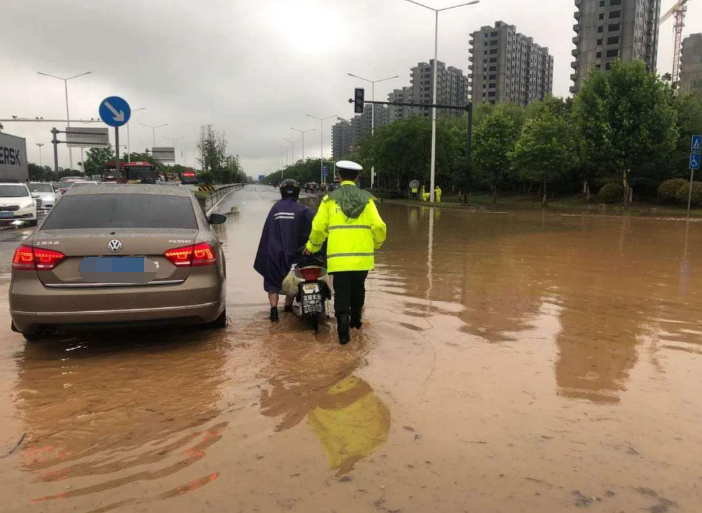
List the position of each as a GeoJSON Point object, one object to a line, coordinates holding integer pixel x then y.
{"type": "Point", "coordinates": [292, 150]}
{"type": "Point", "coordinates": [373, 82]}
{"type": "Point", "coordinates": [321, 144]}
{"type": "Point", "coordinates": [153, 131]}
{"type": "Point", "coordinates": [129, 142]}
{"type": "Point", "coordinates": [40, 145]}
{"type": "Point", "coordinates": [302, 133]}
{"type": "Point", "coordinates": [434, 81]}
{"type": "Point", "coordinates": [68, 116]}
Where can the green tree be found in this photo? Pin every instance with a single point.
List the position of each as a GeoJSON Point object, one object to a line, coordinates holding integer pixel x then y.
{"type": "Point", "coordinates": [542, 153]}
{"type": "Point", "coordinates": [494, 139]}
{"type": "Point", "coordinates": [624, 117]}
{"type": "Point", "coordinates": [95, 160]}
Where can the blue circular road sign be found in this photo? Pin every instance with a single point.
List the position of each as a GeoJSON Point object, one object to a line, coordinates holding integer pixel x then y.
{"type": "Point", "coordinates": [115, 111]}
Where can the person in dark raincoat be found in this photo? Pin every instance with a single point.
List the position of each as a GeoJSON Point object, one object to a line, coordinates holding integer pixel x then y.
{"type": "Point", "coordinates": [284, 236]}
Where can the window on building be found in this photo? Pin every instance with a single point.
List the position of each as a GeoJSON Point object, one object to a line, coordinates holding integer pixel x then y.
{"type": "Point", "coordinates": [613, 40]}
{"type": "Point", "coordinates": [614, 27]}
{"type": "Point", "coordinates": [615, 2]}
{"type": "Point", "coordinates": [615, 15]}
{"type": "Point", "coordinates": [612, 53]}
{"type": "Point", "coordinates": [493, 51]}
{"type": "Point", "coordinates": [601, 16]}
{"type": "Point", "coordinates": [598, 55]}
{"type": "Point", "coordinates": [608, 66]}
{"type": "Point", "coordinates": [600, 29]}
{"type": "Point", "coordinates": [492, 77]}
{"type": "Point", "coordinates": [599, 42]}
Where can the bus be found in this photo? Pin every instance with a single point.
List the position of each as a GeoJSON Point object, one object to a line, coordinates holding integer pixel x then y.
{"type": "Point", "coordinates": [130, 172]}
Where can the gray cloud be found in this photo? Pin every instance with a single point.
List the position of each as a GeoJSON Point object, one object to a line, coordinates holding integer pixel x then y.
{"type": "Point", "coordinates": [253, 68]}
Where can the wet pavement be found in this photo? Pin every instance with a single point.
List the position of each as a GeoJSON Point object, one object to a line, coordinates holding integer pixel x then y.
{"type": "Point", "coordinates": [509, 363]}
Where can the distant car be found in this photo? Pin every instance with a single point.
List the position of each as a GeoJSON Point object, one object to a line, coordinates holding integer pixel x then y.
{"type": "Point", "coordinates": [17, 203]}
{"type": "Point", "coordinates": [46, 193]}
{"type": "Point", "coordinates": [84, 183]}
{"type": "Point", "coordinates": [119, 256]}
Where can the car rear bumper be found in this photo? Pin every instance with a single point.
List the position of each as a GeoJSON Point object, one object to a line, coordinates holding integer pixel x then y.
{"type": "Point", "coordinates": [35, 307]}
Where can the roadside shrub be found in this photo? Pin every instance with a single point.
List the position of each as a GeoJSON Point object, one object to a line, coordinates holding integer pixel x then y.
{"type": "Point", "coordinates": [611, 193]}
{"type": "Point", "coordinates": [668, 190]}
{"type": "Point", "coordinates": [684, 192]}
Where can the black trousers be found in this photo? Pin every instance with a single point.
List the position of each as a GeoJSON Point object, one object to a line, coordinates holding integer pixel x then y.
{"type": "Point", "coordinates": [350, 292]}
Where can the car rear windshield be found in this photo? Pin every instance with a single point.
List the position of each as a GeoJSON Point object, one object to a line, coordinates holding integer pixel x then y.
{"type": "Point", "coordinates": [13, 191]}
{"type": "Point", "coordinates": [121, 211]}
{"type": "Point", "coordinates": [41, 187]}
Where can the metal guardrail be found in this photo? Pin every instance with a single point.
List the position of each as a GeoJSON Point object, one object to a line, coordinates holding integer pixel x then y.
{"type": "Point", "coordinates": [220, 193]}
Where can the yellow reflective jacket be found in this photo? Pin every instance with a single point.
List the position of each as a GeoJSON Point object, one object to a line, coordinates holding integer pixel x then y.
{"type": "Point", "coordinates": [349, 219]}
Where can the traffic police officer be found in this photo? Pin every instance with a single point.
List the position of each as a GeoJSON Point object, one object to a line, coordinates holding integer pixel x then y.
{"type": "Point", "coordinates": [349, 219]}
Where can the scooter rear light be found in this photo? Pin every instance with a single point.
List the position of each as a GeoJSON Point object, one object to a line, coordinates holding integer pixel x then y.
{"type": "Point", "coordinates": [311, 273]}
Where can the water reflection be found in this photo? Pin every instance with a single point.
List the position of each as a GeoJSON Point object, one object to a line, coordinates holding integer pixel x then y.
{"type": "Point", "coordinates": [619, 284]}
{"type": "Point", "coordinates": [104, 415]}
{"type": "Point", "coordinates": [317, 383]}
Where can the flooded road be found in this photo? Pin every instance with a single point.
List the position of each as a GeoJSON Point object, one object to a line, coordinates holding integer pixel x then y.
{"type": "Point", "coordinates": [509, 363]}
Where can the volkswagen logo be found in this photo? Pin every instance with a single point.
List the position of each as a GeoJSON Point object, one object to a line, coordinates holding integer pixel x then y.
{"type": "Point", "coordinates": [114, 245]}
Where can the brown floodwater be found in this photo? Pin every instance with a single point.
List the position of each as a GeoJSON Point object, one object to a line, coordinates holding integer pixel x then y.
{"type": "Point", "coordinates": [513, 362]}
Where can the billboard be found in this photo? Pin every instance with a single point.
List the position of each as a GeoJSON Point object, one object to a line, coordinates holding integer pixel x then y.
{"type": "Point", "coordinates": [163, 153]}
{"type": "Point", "coordinates": [13, 159]}
{"type": "Point", "coordinates": [77, 137]}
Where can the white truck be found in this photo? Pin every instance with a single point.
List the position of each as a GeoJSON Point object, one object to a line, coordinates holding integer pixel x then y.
{"type": "Point", "coordinates": [13, 159]}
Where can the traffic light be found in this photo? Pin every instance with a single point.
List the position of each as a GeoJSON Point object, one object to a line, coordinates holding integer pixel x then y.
{"type": "Point", "coordinates": [359, 101]}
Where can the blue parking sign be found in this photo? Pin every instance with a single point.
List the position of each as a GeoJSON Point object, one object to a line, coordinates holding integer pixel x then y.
{"type": "Point", "coordinates": [695, 161]}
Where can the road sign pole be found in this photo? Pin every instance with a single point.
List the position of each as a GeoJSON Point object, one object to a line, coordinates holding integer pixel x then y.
{"type": "Point", "coordinates": [54, 141]}
{"type": "Point", "coordinates": [117, 172]}
{"type": "Point", "coordinates": [689, 199]}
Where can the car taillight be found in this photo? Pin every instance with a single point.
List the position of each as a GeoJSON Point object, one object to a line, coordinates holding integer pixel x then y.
{"type": "Point", "coordinates": [203, 255]}
{"type": "Point", "coordinates": [192, 256]}
{"type": "Point", "coordinates": [27, 258]}
{"type": "Point", "coordinates": [180, 257]}
{"type": "Point", "coordinates": [311, 273]}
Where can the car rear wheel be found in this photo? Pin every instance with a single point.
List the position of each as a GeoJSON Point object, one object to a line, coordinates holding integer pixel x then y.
{"type": "Point", "coordinates": [32, 337]}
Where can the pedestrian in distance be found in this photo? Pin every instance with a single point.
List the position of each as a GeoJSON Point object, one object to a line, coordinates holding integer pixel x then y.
{"type": "Point", "coordinates": [349, 222]}
{"type": "Point", "coordinates": [284, 236]}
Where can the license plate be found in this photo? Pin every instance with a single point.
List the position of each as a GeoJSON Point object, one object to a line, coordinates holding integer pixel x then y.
{"type": "Point", "coordinates": [5, 215]}
{"type": "Point", "coordinates": [127, 270]}
{"type": "Point", "coordinates": [312, 302]}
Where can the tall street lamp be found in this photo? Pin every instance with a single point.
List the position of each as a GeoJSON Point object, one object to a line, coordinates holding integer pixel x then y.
{"type": "Point", "coordinates": [129, 142]}
{"type": "Point", "coordinates": [284, 162]}
{"type": "Point", "coordinates": [154, 128]}
{"type": "Point", "coordinates": [302, 133]}
{"type": "Point", "coordinates": [434, 80]}
{"type": "Point", "coordinates": [321, 142]}
{"type": "Point", "coordinates": [68, 116]}
{"type": "Point", "coordinates": [373, 82]}
{"type": "Point", "coordinates": [40, 145]}
{"type": "Point", "coordinates": [292, 150]}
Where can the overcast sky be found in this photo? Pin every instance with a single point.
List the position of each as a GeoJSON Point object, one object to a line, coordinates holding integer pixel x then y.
{"type": "Point", "coordinates": [252, 68]}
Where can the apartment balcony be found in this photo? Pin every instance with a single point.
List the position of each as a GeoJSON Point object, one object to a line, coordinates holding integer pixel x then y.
{"type": "Point", "coordinates": [574, 52]}
{"type": "Point", "coordinates": [574, 77]}
{"type": "Point", "coordinates": [574, 64]}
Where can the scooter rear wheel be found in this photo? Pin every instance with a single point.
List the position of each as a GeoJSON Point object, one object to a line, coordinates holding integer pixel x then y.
{"type": "Point", "coordinates": [313, 320]}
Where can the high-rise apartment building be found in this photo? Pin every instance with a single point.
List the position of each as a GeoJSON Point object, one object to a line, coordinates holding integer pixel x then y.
{"type": "Point", "coordinates": [403, 95]}
{"type": "Point", "coordinates": [452, 88]}
{"type": "Point", "coordinates": [348, 135]}
{"type": "Point", "coordinates": [691, 65]}
{"type": "Point", "coordinates": [507, 66]}
{"type": "Point", "coordinates": [608, 30]}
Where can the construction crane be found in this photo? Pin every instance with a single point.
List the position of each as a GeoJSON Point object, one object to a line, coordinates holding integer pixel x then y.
{"type": "Point", "coordinates": [678, 10]}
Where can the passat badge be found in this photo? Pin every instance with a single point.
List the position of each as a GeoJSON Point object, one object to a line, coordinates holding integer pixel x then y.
{"type": "Point", "coordinates": [114, 245]}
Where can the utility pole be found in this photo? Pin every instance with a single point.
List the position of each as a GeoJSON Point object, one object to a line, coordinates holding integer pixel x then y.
{"type": "Point", "coordinates": [153, 131]}
{"type": "Point", "coordinates": [129, 141]}
{"type": "Point", "coordinates": [40, 145]}
{"type": "Point", "coordinates": [434, 82]}
{"type": "Point", "coordinates": [68, 115]}
{"type": "Point", "coordinates": [321, 143]}
{"type": "Point", "coordinates": [302, 133]}
{"type": "Point", "coordinates": [373, 82]}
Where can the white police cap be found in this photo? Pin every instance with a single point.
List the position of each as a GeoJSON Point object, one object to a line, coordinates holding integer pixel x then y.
{"type": "Point", "coordinates": [351, 166]}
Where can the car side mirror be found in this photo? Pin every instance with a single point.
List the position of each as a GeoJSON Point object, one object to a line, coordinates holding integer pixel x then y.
{"type": "Point", "coordinates": [217, 219]}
